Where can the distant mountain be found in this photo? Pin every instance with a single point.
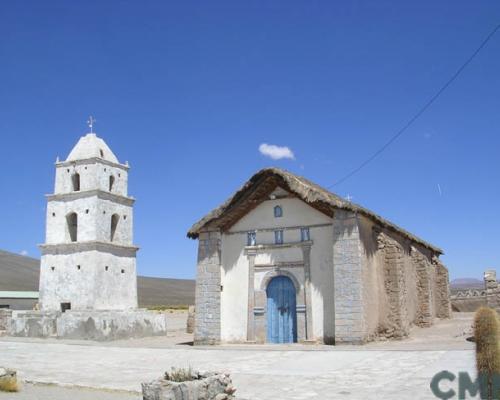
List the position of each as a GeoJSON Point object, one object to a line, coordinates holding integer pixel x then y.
{"type": "Point", "coordinates": [22, 273]}
{"type": "Point", "coordinates": [466, 283]}
{"type": "Point", "coordinates": [18, 272]}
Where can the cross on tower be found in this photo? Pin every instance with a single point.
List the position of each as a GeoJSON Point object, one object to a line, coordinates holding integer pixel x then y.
{"type": "Point", "coordinates": [91, 122]}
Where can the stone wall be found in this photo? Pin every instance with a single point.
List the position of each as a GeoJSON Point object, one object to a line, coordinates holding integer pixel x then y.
{"type": "Point", "coordinates": [111, 325]}
{"type": "Point", "coordinates": [492, 289]}
{"type": "Point", "coordinates": [4, 318]}
{"type": "Point", "coordinates": [208, 287]}
{"type": "Point", "coordinates": [33, 324]}
{"type": "Point", "coordinates": [348, 279]}
{"type": "Point", "coordinates": [468, 300]}
{"type": "Point", "coordinates": [88, 325]}
{"type": "Point", "coordinates": [202, 386]}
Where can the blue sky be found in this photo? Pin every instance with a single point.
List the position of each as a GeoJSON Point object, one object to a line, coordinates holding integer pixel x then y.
{"type": "Point", "coordinates": [188, 91]}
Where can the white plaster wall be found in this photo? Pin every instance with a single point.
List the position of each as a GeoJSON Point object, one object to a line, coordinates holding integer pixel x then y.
{"type": "Point", "coordinates": [234, 280]}
{"type": "Point", "coordinates": [94, 220]}
{"type": "Point", "coordinates": [93, 175]}
{"type": "Point", "coordinates": [295, 213]}
{"type": "Point", "coordinates": [234, 276]}
{"type": "Point", "coordinates": [91, 286]}
{"type": "Point", "coordinates": [322, 282]}
{"type": "Point", "coordinates": [124, 229]}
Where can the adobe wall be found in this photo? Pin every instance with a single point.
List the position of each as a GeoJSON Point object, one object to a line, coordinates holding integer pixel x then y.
{"type": "Point", "coordinates": [404, 283]}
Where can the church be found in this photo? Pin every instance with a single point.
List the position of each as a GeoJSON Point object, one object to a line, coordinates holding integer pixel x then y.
{"type": "Point", "coordinates": [284, 260]}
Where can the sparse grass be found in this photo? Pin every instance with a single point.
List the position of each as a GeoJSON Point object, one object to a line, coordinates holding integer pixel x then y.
{"type": "Point", "coordinates": [9, 384]}
{"type": "Point", "coordinates": [173, 307]}
{"type": "Point", "coordinates": [180, 375]}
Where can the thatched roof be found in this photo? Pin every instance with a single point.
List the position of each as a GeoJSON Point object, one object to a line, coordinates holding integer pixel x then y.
{"type": "Point", "coordinates": [258, 188]}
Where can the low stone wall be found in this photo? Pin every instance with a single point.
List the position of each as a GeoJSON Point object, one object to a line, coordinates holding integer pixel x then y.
{"type": "Point", "coordinates": [92, 325]}
{"type": "Point", "coordinates": [468, 300]}
{"type": "Point", "coordinates": [111, 325]}
{"type": "Point", "coordinates": [32, 324]}
{"type": "Point", "coordinates": [4, 319]}
{"type": "Point", "coordinates": [204, 386]}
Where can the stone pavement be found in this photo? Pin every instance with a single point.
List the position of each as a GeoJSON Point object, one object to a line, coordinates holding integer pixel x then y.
{"type": "Point", "coordinates": [258, 374]}
{"type": "Point", "coordinates": [381, 370]}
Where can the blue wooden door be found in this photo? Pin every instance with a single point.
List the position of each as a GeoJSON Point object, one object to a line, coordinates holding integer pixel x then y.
{"type": "Point", "coordinates": [281, 311]}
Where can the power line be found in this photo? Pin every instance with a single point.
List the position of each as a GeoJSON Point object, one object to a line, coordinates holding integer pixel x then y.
{"type": "Point", "coordinates": [420, 111]}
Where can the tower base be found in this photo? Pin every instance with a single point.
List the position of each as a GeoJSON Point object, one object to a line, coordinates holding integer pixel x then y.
{"type": "Point", "coordinates": [88, 325]}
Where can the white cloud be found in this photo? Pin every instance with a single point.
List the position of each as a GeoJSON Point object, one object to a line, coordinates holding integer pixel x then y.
{"type": "Point", "coordinates": [276, 152]}
{"type": "Point", "coordinates": [24, 252]}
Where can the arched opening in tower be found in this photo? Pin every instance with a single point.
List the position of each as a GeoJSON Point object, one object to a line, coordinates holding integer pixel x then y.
{"type": "Point", "coordinates": [111, 182]}
{"type": "Point", "coordinates": [114, 223]}
{"type": "Point", "coordinates": [72, 224]}
{"type": "Point", "coordinates": [75, 180]}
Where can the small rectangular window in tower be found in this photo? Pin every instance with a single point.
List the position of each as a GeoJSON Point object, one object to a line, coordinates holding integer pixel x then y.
{"type": "Point", "coordinates": [251, 238]}
{"type": "Point", "coordinates": [123, 271]}
{"type": "Point", "coordinates": [65, 307]}
{"type": "Point", "coordinates": [304, 234]}
{"type": "Point", "coordinates": [75, 180]}
{"type": "Point", "coordinates": [72, 224]}
{"type": "Point", "coordinates": [278, 236]}
{"type": "Point", "coordinates": [114, 223]}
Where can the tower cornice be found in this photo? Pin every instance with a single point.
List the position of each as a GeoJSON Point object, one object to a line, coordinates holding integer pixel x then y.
{"type": "Point", "coordinates": [92, 160]}
{"type": "Point", "coordinates": [93, 245]}
{"type": "Point", "coordinates": [70, 196]}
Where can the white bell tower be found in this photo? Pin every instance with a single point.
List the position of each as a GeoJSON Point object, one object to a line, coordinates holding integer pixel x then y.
{"type": "Point", "coordinates": [88, 259]}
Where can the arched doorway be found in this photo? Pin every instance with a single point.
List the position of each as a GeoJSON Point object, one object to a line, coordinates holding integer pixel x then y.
{"type": "Point", "coordinates": [281, 311]}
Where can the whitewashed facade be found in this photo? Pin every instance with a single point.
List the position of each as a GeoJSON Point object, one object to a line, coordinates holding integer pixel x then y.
{"type": "Point", "coordinates": [88, 258]}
